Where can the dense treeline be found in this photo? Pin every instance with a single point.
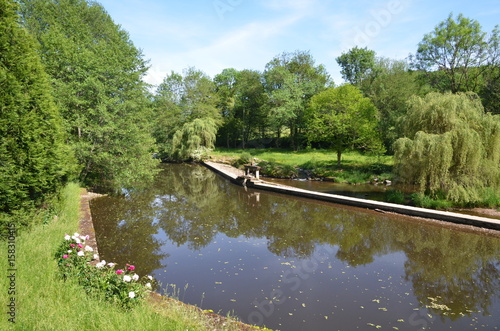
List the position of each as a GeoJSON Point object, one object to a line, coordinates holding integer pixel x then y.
{"type": "Point", "coordinates": [74, 106]}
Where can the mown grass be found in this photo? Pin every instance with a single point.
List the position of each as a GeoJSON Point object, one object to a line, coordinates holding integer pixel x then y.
{"type": "Point", "coordinates": [355, 167]}
{"type": "Point", "coordinates": [44, 301]}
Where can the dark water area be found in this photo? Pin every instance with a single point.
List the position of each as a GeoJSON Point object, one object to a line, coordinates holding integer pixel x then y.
{"type": "Point", "coordinates": [362, 191]}
{"type": "Point", "coordinates": [296, 264]}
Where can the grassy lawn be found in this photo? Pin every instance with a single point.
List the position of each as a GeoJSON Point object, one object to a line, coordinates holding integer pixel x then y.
{"type": "Point", "coordinates": [355, 167]}
{"type": "Point", "coordinates": [46, 302]}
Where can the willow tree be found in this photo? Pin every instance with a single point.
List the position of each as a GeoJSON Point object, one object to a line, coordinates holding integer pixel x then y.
{"type": "Point", "coordinates": [451, 147]}
{"type": "Point", "coordinates": [34, 160]}
{"type": "Point", "coordinates": [184, 105]}
{"type": "Point", "coordinates": [194, 139]}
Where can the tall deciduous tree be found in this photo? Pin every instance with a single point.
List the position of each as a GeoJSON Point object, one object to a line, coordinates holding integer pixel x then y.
{"type": "Point", "coordinates": [389, 88]}
{"type": "Point", "coordinates": [97, 75]}
{"type": "Point", "coordinates": [357, 64]}
{"type": "Point", "coordinates": [242, 105]}
{"type": "Point", "coordinates": [451, 146]}
{"type": "Point", "coordinates": [186, 105]}
{"type": "Point", "coordinates": [291, 79]}
{"type": "Point", "coordinates": [342, 118]}
{"type": "Point", "coordinates": [34, 159]}
{"type": "Point", "coordinates": [459, 51]}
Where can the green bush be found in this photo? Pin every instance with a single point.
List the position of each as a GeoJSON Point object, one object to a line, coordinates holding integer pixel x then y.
{"type": "Point", "coordinates": [395, 197]}
{"type": "Point", "coordinates": [120, 286]}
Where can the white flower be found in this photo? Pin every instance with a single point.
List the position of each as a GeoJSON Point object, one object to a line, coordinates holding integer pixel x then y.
{"type": "Point", "coordinates": [76, 235]}
{"type": "Point", "coordinates": [77, 240]}
{"type": "Point", "coordinates": [88, 248]}
{"type": "Point", "coordinates": [70, 251]}
{"type": "Point", "coordinates": [111, 264]}
{"type": "Point", "coordinates": [81, 253]}
{"type": "Point", "coordinates": [135, 277]}
{"type": "Point", "coordinates": [100, 265]}
{"type": "Point", "coordinates": [67, 237]}
{"type": "Point", "coordinates": [148, 285]}
{"type": "Point", "coordinates": [96, 257]}
{"type": "Point", "coordinates": [150, 277]}
{"type": "Point", "coordinates": [131, 295]}
{"type": "Point", "coordinates": [127, 278]}
{"type": "Point", "coordinates": [84, 237]}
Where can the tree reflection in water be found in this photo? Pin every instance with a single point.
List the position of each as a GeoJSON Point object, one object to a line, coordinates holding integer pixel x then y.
{"type": "Point", "coordinates": [453, 273]}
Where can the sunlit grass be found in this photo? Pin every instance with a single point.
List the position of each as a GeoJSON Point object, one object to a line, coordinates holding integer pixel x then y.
{"type": "Point", "coordinates": [46, 302]}
{"type": "Point", "coordinates": [355, 167]}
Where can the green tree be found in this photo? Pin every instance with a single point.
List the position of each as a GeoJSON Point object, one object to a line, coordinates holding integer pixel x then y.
{"type": "Point", "coordinates": [291, 79]}
{"type": "Point", "coordinates": [342, 118]}
{"type": "Point", "coordinates": [187, 116]}
{"type": "Point", "coordinates": [97, 76]}
{"type": "Point", "coordinates": [242, 104]}
{"type": "Point", "coordinates": [451, 147]}
{"type": "Point", "coordinates": [456, 54]}
{"type": "Point", "coordinates": [389, 87]}
{"type": "Point", "coordinates": [225, 85]}
{"type": "Point", "coordinates": [34, 160]}
{"type": "Point", "coordinates": [357, 64]}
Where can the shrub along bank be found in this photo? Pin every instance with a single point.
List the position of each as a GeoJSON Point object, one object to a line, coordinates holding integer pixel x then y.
{"type": "Point", "coordinates": [45, 300]}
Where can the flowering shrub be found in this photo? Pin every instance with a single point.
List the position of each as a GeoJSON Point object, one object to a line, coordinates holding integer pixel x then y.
{"type": "Point", "coordinates": [122, 286]}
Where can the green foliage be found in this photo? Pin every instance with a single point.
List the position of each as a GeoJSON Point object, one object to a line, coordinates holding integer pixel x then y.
{"type": "Point", "coordinates": [34, 160]}
{"type": "Point", "coordinates": [357, 64]}
{"type": "Point", "coordinates": [97, 75]}
{"type": "Point", "coordinates": [424, 201]}
{"type": "Point", "coordinates": [187, 119]}
{"type": "Point", "coordinates": [242, 105]}
{"type": "Point", "coordinates": [395, 196]}
{"type": "Point", "coordinates": [291, 79]}
{"type": "Point", "coordinates": [389, 87]}
{"type": "Point", "coordinates": [121, 286]}
{"type": "Point", "coordinates": [460, 50]}
{"type": "Point", "coordinates": [194, 140]}
{"type": "Point", "coordinates": [450, 146]}
{"type": "Point", "coordinates": [342, 118]}
{"type": "Point", "coordinates": [275, 169]}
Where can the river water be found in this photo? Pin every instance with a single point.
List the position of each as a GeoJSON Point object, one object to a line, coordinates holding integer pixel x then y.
{"type": "Point", "coordinates": [296, 264]}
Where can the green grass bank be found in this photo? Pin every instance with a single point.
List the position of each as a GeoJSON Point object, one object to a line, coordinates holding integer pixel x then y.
{"type": "Point", "coordinates": [355, 168]}
{"type": "Point", "coordinates": [44, 301]}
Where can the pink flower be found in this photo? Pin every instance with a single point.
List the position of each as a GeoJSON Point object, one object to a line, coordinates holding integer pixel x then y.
{"type": "Point", "coordinates": [72, 246]}
{"type": "Point", "coordinates": [65, 256]}
{"type": "Point", "coordinates": [131, 268]}
{"type": "Point", "coordinates": [119, 271]}
{"type": "Point", "coordinates": [80, 245]}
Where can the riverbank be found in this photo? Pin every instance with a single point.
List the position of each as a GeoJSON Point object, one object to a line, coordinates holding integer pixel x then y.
{"type": "Point", "coordinates": [237, 177]}
{"type": "Point", "coordinates": [42, 300]}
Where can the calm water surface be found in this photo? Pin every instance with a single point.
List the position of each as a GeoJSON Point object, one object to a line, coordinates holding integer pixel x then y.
{"type": "Point", "coordinates": [294, 264]}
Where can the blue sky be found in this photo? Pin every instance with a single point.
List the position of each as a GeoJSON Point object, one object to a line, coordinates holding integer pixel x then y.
{"type": "Point", "coordinates": [246, 34]}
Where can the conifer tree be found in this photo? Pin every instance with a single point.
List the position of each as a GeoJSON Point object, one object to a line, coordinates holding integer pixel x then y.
{"type": "Point", "coordinates": [34, 160]}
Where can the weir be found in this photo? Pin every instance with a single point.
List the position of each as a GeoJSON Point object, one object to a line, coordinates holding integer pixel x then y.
{"type": "Point", "coordinates": [238, 177]}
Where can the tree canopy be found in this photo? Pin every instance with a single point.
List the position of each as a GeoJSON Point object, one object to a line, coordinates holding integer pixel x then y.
{"type": "Point", "coordinates": [450, 147]}
{"type": "Point", "coordinates": [342, 118]}
{"type": "Point", "coordinates": [460, 52]}
{"type": "Point", "coordinates": [34, 160]}
{"type": "Point", "coordinates": [186, 105]}
{"type": "Point", "coordinates": [357, 64]}
{"type": "Point", "coordinates": [291, 79]}
{"type": "Point", "coordinates": [96, 73]}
